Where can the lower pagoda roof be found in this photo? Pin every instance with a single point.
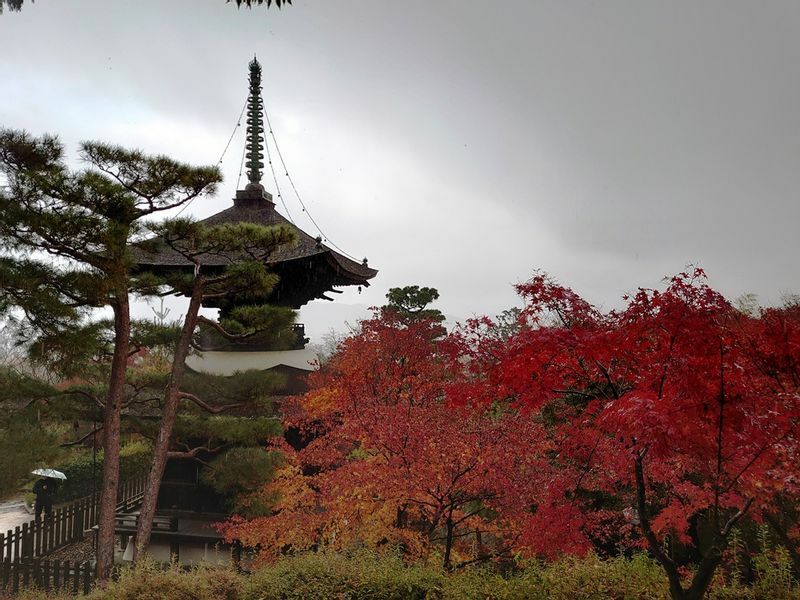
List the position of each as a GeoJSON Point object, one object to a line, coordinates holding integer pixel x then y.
{"type": "Point", "coordinates": [307, 269]}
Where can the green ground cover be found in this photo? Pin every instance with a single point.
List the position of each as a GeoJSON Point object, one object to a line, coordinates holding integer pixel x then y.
{"type": "Point", "coordinates": [366, 576]}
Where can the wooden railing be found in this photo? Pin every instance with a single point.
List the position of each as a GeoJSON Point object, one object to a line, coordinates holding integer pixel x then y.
{"type": "Point", "coordinates": [65, 526]}
{"type": "Point", "coordinates": [48, 575]}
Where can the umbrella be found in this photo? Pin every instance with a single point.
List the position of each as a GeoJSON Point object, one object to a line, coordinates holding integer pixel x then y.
{"type": "Point", "coordinates": [51, 473]}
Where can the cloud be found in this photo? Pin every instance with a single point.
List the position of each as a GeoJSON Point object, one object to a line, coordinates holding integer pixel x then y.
{"type": "Point", "coordinates": [457, 146]}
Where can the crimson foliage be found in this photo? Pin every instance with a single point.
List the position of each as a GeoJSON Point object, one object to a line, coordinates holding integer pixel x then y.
{"type": "Point", "coordinates": [575, 429]}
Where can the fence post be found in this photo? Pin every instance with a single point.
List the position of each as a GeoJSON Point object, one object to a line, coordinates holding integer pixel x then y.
{"type": "Point", "coordinates": [43, 537]}
{"type": "Point", "coordinates": [37, 571]}
{"type": "Point", "coordinates": [79, 526]}
{"type": "Point", "coordinates": [52, 530]}
{"type": "Point", "coordinates": [27, 539]}
{"type": "Point", "coordinates": [87, 517]}
{"type": "Point", "coordinates": [124, 499]}
{"type": "Point", "coordinates": [76, 577]}
{"type": "Point", "coordinates": [26, 573]}
{"type": "Point", "coordinates": [61, 537]}
{"type": "Point", "coordinates": [71, 525]}
{"type": "Point", "coordinates": [6, 571]}
{"type": "Point", "coordinates": [17, 542]}
{"type": "Point", "coordinates": [46, 575]}
{"type": "Point", "coordinates": [87, 577]}
{"type": "Point", "coordinates": [57, 575]}
{"type": "Point", "coordinates": [35, 535]}
{"type": "Point", "coordinates": [15, 576]}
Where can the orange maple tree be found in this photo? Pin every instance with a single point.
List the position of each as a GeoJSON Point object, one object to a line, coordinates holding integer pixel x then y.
{"type": "Point", "coordinates": [392, 461]}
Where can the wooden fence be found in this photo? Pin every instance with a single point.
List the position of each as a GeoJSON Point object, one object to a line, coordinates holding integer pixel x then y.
{"type": "Point", "coordinates": [46, 575]}
{"type": "Point", "coordinates": [67, 525]}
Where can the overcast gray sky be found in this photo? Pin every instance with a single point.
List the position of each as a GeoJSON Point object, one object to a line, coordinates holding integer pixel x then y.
{"type": "Point", "coordinates": [461, 144]}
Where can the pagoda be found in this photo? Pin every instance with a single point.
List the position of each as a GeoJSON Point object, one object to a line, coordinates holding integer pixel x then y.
{"type": "Point", "coordinates": [307, 270]}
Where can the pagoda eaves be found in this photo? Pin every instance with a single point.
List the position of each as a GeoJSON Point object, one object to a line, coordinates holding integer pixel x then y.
{"type": "Point", "coordinates": [307, 269]}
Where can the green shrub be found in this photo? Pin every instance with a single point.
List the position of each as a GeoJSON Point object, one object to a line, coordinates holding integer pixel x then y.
{"type": "Point", "coordinates": [35, 594]}
{"type": "Point", "coordinates": [238, 472]}
{"type": "Point", "coordinates": [153, 582]}
{"type": "Point", "coordinates": [23, 447]}
{"type": "Point", "coordinates": [773, 578]}
{"type": "Point", "coordinates": [81, 470]}
{"type": "Point", "coordinates": [135, 458]}
{"type": "Point", "coordinates": [363, 575]}
{"type": "Point", "coordinates": [477, 583]}
{"type": "Point", "coordinates": [357, 575]}
{"type": "Point", "coordinates": [80, 473]}
{"type": "Point", "coordinates": [590, 577]}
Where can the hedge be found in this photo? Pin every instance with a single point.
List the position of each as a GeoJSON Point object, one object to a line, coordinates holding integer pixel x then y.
{"type": "Point", "coordinates": [134, 461]}
{"type": "Point", "coordinates": [362, 575]}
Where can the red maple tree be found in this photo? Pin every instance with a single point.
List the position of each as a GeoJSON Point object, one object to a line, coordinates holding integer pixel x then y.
{"type": "Point", "coordinates": [676, 409]}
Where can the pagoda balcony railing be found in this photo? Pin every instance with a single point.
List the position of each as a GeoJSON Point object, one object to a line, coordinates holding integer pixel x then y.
{"type": "Point", "coordinates": [294, 339]}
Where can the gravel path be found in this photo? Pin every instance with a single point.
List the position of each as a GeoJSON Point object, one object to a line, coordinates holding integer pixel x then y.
{"type": "Point", "coordinates": [79, 551]}
{"type": "Point", "coordinates": [13, 513]}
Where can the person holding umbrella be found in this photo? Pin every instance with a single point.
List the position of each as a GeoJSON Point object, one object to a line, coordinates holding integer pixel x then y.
{"type": "Point", "coordinates": [45, 489]}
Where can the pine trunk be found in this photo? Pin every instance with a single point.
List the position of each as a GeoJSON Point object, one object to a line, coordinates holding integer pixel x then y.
{"type": "Point", "coordinates": [169, 414]}
{"type": "Point", "coordinates": [111, 438]}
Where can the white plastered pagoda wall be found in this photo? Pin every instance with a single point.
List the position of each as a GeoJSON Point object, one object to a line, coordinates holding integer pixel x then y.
{"type": "Point", "coordinates": [228, 363]}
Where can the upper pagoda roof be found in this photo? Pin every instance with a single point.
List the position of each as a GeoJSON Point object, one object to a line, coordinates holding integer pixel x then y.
{"type": "Point", "coordinates": [308, 254]}
{"type": "Point", "coordinates": [307, 269]}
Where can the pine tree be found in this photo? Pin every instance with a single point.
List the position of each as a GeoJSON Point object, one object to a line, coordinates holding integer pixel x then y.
{"type": "Point", "coordinates": [247, 278]}
{"type": "Point", "coordinates": [65, 239]}
{"type": "Point", "coordinates": [411, 302]}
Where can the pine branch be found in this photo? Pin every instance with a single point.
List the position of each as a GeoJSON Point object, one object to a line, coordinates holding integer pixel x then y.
{"type": "Point", "coordinates": [85, 394]}
{"type": "Point", "coordinates": [83, 438]}
{"type": "Point", "coordinates": [192, 453]}
{"type": "Point", "coordinates": [207, 407]}
{"type": "Point", "coordinates": [222, 331]}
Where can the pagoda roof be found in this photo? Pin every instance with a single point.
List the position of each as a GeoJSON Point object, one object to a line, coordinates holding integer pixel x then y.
{"type": "Point", "coordinates": [254, 205]}
{"type": "Point", "coordinates": [306, 269]}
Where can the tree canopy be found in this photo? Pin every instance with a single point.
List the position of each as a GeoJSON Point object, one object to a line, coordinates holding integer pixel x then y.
{"type": "Point", "coordinates": [412, 301]}
{"type": "Point", "coordinates": [665, 426]}
{"type": "Point", "coordinates": [65, 238]}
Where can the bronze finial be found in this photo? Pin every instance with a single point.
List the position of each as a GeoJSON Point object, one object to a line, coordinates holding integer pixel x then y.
{"type": "Point", "coordinates": [255, 125]}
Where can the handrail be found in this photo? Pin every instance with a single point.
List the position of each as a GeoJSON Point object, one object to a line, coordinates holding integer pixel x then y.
{"type": "Point", "coordinates": [66, 525]}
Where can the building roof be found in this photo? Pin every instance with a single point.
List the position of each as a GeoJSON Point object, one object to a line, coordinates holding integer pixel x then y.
{"type": "Point", "coordinates": [320, 268]}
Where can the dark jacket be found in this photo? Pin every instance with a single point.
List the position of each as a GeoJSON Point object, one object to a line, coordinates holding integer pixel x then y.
{"type": "Point", "coordinates": [44, 490]}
